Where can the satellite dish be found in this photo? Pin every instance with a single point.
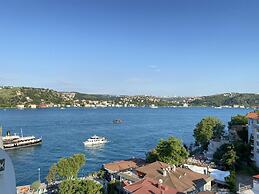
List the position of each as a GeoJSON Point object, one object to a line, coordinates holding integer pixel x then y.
{"type": "Point", "coordinates": [7, 175]}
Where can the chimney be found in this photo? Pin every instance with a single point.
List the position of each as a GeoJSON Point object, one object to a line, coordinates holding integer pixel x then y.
{"type": "Point", "coordinates": [164, 172]}
{"type": "Point", "coordinates": [160, 181]}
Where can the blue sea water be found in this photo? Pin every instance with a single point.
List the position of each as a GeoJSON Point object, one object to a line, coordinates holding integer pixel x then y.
{"type": "Point", "coordinates": [63, 132]}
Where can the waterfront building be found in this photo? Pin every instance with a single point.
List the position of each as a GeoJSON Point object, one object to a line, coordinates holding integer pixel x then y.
{"type": "Point", "coordinates": [20, 106]}
{"type": "Point", "coordinates": [149, 186]}
{"type": "Point", "coordinates": [253, 135]}
{"type": "Point", "coordinates": [181, 179]}
{"type": "Point", "coordinates": [123, 169]}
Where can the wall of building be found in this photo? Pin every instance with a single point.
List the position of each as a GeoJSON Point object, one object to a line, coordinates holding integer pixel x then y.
{"type": "Point", "coordinates": [253, 130]}
{"type": "Point", "coordinates": [7, 175]}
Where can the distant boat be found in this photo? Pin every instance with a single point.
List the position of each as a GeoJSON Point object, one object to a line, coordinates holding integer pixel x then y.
{"type": "Point", "coordinates": [16, 141]}
{"type": "Point", "coordinates": [95, 140]}
{"type": "Point", "coordinates": [62, 108]}
{"type": "Point", "coordinates": [117, 121]}
{"type": "Point", "coordinates": [218, 107]}
{"type": "Point", "coordinates": [153, 106]}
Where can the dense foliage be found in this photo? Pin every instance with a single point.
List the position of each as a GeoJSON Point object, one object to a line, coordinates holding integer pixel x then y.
{"type": "Point", "coordinates": [80, 187]}
{"type": "Point", "coordinates": [52, 175]}
{"type": "Point", "coordinates": [231, 181]}
{"type": "Point", "coordinates": [170, 151]}
{"type": "Point", "coordinates": [35, 185]}
{"type": "Point", "coordinates": [229, 99]}
{"type": "Point", "coordinates": [66, 168]}
{"type": "Point", "coordinates": [238, 120]}
{"type": "Point", "coordinates": [232, 156]}
{"type": "Point", "coordinates": [208, 128]}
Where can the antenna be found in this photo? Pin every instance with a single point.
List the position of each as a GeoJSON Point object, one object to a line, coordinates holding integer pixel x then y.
{"type": "Point", "coordinates": [21, 132]}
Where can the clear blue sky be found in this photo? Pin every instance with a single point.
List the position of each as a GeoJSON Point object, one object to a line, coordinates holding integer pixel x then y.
{"type": "Point", "coordinates": [176, 47]}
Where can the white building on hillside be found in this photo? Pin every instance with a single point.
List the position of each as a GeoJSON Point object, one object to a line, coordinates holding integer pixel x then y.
{"type": "Point", "coordinates": [253, 135]}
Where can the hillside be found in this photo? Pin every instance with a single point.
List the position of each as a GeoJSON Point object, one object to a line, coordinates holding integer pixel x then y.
{"type": "Point", "coordinates": [13, 96]}
{"type": "Point", "coordinates": [42, 97]}
{"type": "Point", "coordinates": [228, 99]}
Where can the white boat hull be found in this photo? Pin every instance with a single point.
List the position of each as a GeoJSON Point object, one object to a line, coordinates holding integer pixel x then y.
{"type": "Point", "coordinates": [94, 143]}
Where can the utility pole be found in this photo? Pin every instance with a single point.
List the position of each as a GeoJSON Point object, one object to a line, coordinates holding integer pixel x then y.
{"type": "Point", "coordinates": [39, 174]}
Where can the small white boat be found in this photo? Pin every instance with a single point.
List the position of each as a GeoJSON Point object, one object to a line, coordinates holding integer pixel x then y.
{"type": "Point", "coordinates": [95, 140]}
{"type": "Point", "coordinates": [153, 106]}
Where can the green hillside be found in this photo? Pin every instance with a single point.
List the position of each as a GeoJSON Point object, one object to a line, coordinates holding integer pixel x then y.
{"type": "Point", "coordinates": [247, 100]}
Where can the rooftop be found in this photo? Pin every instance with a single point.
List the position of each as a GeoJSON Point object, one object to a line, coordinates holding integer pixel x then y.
{"type": "Point", "coordinates": [253, 115]}
{"type": "Point", "coordinates": [181, 179]}
{"type": "Point", "coordinates": [123, 165]}
{"type": "Point", "coordinates": [149, 186]}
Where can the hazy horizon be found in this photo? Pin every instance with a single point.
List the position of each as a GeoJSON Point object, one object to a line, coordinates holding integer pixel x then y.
{"type": "Point", "coordinates": [168, 48]}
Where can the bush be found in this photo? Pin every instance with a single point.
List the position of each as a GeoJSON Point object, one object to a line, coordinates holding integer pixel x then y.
{"type": "Point", "coordinates": [237, 120]}
{"type": "Point", "coordinates": [35, 185]}
{"type": "Point", "coordinates": [80, 186]}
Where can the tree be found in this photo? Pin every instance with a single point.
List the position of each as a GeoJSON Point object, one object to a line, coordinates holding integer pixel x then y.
{"type": "Point", "coordinates": [170, 151]}
{"type": "Point", "coordinates": [68, 168]}
{"type": "Point", "coordinates": [229, 158]}
{"type": "Point", "coordinates": [226, 156]}
{"type": "Point", "coordinates": [217, 156]}
{"type": "Point", "coordinates": [231, 181]}
{"type": "Point", "coordinates": [52, 175]}
{"type": "Point", "coordinates": [237, 120]}
{"type": "Point", "coordinates": [35, 185]}
{"type": "Point", "coordinates": [207, 129]}
{"type": "Point", "coordinates": [80, 186]}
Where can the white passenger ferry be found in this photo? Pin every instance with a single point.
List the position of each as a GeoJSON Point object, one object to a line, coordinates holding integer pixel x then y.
{"type": "Point", "coordinates": [95, 140]}
{"type": "Point", "coordinates": [15, 141]}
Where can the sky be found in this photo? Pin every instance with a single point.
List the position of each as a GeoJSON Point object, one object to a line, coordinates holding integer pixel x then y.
{"type": "Point", "coordinates": [132, 47]}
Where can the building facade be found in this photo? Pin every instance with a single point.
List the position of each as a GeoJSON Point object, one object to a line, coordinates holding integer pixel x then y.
{"type": "Point", "coordinates": [253, 135]}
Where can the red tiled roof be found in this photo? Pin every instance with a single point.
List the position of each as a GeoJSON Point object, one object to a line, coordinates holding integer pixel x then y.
{"type": "Point", "coordinates": [122, 165]}
{"type": "Point", "coordinates": [253, 115]}
{"type": "Point", "coordinates": [149, 186]}
{"type": "Point", "coordinates": [256, 176]}
{"type": "Point", "coordinates": [182, 179]}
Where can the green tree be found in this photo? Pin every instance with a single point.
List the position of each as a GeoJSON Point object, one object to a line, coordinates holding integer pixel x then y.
{"type": "Point", "coordinates": [231, 181]}
{"type": "Point", "coordinates": [101, 173]}
{"type": "Point", "coordinates": [207, 129]}
{"type": "Point", "coordinates": [217, 157]}
{"type": "Point", "coordinates": [52, 175]}
{"type": "Point", "coordinates": [68, 168]}
{"type": "Point", "coordinates": [170, 151]}
{"type": "Point", "coordinates": [35, 185]}
{"type": "Point", "coordinates": [237, 120]}
{"type": "Point", "coordinates": [112, 187]}
{"type": "Point", "coordinates": [80, 187]}
{"type": "Point", "coordinates": [229, 158]}
{"type": "Point", "coordinates": [226, 156]}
